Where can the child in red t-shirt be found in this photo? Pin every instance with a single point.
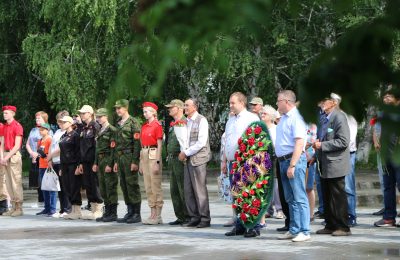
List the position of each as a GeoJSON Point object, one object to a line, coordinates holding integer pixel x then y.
{"type": "Point", "coordinates": [50, 197]}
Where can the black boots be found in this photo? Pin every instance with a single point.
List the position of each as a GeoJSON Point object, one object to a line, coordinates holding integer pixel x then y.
{"type": "Point", "coordinates": [135, 217]}
{"type": "Point", "coordinates": [112, 213]}
{"type": "Point", "coordinates": [3, 207]}
{"type": "Point", "coordinates": [128, 215]}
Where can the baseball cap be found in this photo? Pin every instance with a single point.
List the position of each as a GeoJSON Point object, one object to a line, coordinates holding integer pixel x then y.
{"type": "Point", "coordinates": [175, 103]}
{"type": "Point", "coordinates": [86, 109]}
{"type": "Point", "coordinates": [67, 119]}
{"type": "Point", "coordinates": [257, 101]}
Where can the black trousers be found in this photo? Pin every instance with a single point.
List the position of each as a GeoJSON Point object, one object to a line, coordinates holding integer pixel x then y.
{"type": "Point", "coordinates": [335, 203]}
{"type": "Point", "coordinates": [285, 206]}
{"type": "Point", "coordinates": [64, 205]}
{"type": "Point", "coordinates": [72, 184]}
{"type": "Point", "coordinates": [91, 184]}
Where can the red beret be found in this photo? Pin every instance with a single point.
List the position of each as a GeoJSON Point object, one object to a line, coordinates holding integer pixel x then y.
{"type": "Point", "coordinates": [150, 104]}
{"type": "Point", "coordinates": [12, 108]}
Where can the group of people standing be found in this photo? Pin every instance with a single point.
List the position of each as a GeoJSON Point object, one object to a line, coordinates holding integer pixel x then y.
{"type": "Point", "coordinates": [88, 153]}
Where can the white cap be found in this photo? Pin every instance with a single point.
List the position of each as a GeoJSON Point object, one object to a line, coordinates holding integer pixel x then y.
{"type": "Point", "coordinates": [86, 109]}
{"type": "Point", "coordinates": [67, 119]}
{"type": "Point", "coordinates": [336, 97]}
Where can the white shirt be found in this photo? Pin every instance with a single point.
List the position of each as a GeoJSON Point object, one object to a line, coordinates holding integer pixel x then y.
{"type": "Point", "coordinates": [55, 144]}
{"type": "Point", "coordinates": [351, 121]}
{"type": "Point", "coordinates": [203, 135]}
{"type": "Point", "coordinates": [272, 134]}
{"type": "Point", "coordinates": [234, 129]}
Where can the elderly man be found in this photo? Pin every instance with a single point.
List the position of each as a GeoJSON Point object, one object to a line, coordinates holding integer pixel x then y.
{"type": "Point", "coordinates": [350, 179]}
{"type": "Point", "coordinates": [256, 105]}
{"type": "Point", "coordinates": [234, 129]}
{"type": "Point", "coordinates": [333, 155]}
{"type": "Point", "coordinates": [196, 155]}
{"type": "Point", "coordinates": [291, 136]}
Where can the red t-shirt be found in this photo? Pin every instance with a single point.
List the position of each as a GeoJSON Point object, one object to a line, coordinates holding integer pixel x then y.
{"type": "Point", "coordinates": [45, 145]}
{"type": "Point", "coordinates": [151, 132]}
{"type": "Point", "coordinates": [1, 131]}
{"type": "Point", "coordinates": [10, 132]}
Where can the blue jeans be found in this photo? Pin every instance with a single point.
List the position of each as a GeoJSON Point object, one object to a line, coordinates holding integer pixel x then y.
{"type": "Point", "coordinates": [296, 196]}
{"type": "Point", "coordinates": [50, 197]}
{"type": "Point", "coordinates": [319, 189]}
{"type": "Point", "coordinates": [350, 182]}
{"type": "Point", "coordinates": [311, 177]}
{"type": "Point", "coordinates": [391, 179]}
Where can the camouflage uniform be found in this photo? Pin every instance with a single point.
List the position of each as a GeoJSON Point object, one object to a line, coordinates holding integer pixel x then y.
{"type": "Point", "coordinates": [177, 176]}
{"type": "Point", "coordinates": [127, 151]}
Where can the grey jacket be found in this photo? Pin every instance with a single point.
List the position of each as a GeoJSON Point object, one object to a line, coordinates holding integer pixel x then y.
{"type": "Point", "coordinates": [334, 155]}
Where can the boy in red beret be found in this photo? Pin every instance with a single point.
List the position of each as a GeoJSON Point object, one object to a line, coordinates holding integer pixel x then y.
{"type": "Point", "coordinates": [10, 148]}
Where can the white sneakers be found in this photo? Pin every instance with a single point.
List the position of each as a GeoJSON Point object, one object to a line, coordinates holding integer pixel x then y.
{"type": "Point", "coordinates": [279, 215]}
{"type": "Point", "coordinates": [301, 237]}
{"type": "Point", "coordinates": [287, 235]}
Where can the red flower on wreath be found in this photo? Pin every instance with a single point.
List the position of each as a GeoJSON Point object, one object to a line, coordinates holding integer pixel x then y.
{"type": "Point", "coordinates": [264, 182]}
{"type": "Point", "coordinates": [254, 211]}
{"type": "Point", "coordinates": [258, 130]}
{"type": "Point", "coordinates": [245, 194]}
{"type": "Point", "coordinates": [234, 206]}
{"type": "Point", "coordinates": [245, 155]}
{"type": "Point", "coordinates": [239, 200]}
{"type": "Point", "coordinates": [251, 141]}
{"type": "Point", "coordinates": [239, 159]}
{"type": "Point", "coordinates": [243, 217]}
{"type": "Point", "coordinates": [260, 144]}
{"type": "Point", "coordinates": [259, 185]}
{"type": "Point", "coordinates": [242, 148]}
{"type": "Point", "coordinates": [246, 207]}
{"type": "Point", "coordinates": [256, 203]}
{"type": "Point", "coordinates": [251, 152]}
{"type": "Point", "coordinates": [236, 154]}
{"type": "Point", "coordinates": [249, 131]}
{"type": "Point", "coordinates": [252, 192]}
{"type": "Point", "coordinates": [240, 141]}
{"type": "Point", "coordinates": [234, 165]}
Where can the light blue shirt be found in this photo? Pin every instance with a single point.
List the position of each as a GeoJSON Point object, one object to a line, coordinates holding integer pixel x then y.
{"type": "Point", "coordinates": [290, 127]}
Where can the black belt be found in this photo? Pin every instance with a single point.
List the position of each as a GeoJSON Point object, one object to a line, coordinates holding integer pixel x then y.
{"type": "Point", "coordinates": [149, 146]}
{"type": "Point", "coordinates": [285, 157]}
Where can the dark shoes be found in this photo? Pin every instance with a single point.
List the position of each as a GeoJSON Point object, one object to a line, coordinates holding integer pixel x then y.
{"type": "Point", "coordinates": [235, 232]}
{"type": "Point", "coordinates": [176, 222]}
{"type": "Point", "coordinates": [324, 231]}
{"type": "Point", "coordinates": [283, 229]}
{"type": "Point", "coordinates": [319, 215]}
{"type": "Point", "coordinates": [192, 223]}
{"type": "Point", "coordinates": [128, 215]}
{"type": "Point", "coordinates": [252, 233]}
{"type": "Point", "coordinates": [352, 222]}
{"type": "Point", "coordinates": [203, 224]}
{"type": "Point", "coordinates": [379, 212]}
{"type": "Point", "coordinates": [43, 212]}
{"type": "Point", "coordinates": [341, 233]}
{"type": "Point", "coordinates": [336, 233]}
{"type": "Point", "coordinates": [385, 223]}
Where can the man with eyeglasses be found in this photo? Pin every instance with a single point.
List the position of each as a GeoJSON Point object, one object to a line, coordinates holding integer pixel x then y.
{"type": "Point", "coordinates": [291, 135]}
